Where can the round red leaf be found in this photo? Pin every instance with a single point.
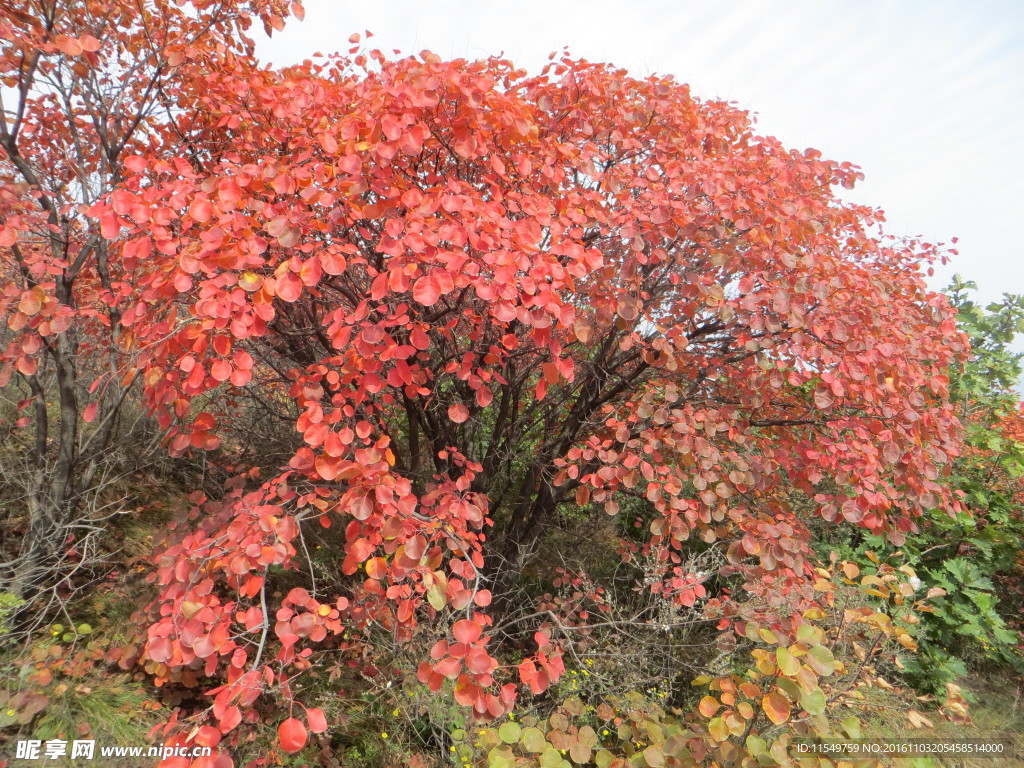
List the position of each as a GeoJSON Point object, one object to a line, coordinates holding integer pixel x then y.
{"type": "Point", "coordinates": [292, 735]}
{"type": "Point", "coordinates": [458, 413]}
{"type": "Point", "coordinates": [467, 631]}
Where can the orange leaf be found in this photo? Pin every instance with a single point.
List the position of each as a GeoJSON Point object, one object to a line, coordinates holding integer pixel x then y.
{"type": "Point", "coordinates": [90, 43]}
{"type": "Point", "coordinates": [250, 281]}
{"type": "Point", "coordinates": [376, 568]}
{"type": "Point", "coordinates": [69, 45]}
{"type": "Point", "coordinates": [708, 706]}
{"type": "Point", "coordinates": [32, 301]}
{"type": "Point", "coordinates": [777, 707]}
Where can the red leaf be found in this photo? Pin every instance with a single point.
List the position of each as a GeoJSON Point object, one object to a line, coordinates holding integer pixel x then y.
{"type": "Point", "coordinates": [200, 210]}
{"type": "Point", "coordinates": [467, 631]}
{"type": "Point", "coordinates": [110, 226]}
{"type": "Point", "coordinates": [479, 662]}
{"type": "Point", "coordinates": [426, 290]}
{"type": "Point", "coordinates": [415, 547]}
{"type": "Point", "coordinates": [332, 263]}
{"type": "Point", "coordinates": [207, 736]}
{"type": "Point", "coordinates": [458, 413]}
{"type": "Point", "coordinates": [69, 45]}
{"type": "Point", "coordinates": [316, 719]}
{"type": "Point", "coordinates": [466, 691]}
{"type": "Point", "coordinates": [449, 667]}
{"type": "Point", "coordinates": [376, 568]}
{"type": "Point", "coordinates": [289, 287]}
{"type": "Point", "coordinates": [350, 164]}
{"type": "Point", "coordinates": [361, 507]}
{"type": "Point", "coordinates": [26, 365]}
{"type": "Point", "coordinates": [292, 736]}
{"type": "Point", "coordinates": [160, 650]}
{"type": "Point", "coordinates": [221, 370]}
{"type": "Point", "coordinates": [419, 339]}
{"type": "Point", "coordinates": [90, 413]}
{"type": "Point", "coordinates": [232, 716]}
{"type": "Point", "coordinates": [90, 43]}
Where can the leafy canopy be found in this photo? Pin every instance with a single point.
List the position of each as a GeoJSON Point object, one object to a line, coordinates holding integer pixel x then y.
{"type": "Point", "coordinates": [480, 297]}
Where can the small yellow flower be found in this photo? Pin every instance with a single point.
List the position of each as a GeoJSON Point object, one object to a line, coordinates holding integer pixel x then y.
{"type": "Point", "coordinates": [604, 732]}
{"type": "Point", "coordinates": [383, 735]}
{"type": "Point", "coordinates": [394, 712]}
{"type": "Point", "coordinates": [10, 713]}
{"type": "Point", "coordinates": [451, 749]}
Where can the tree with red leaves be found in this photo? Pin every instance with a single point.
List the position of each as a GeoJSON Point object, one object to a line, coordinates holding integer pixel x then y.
{"type": "Point", "coordinates": [484, 297]}
{"type": "Point", "coordinates": [479, 299]}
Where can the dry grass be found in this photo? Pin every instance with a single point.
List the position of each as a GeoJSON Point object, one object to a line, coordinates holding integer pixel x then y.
{"type": "Point", "coordinates": [997, 713]}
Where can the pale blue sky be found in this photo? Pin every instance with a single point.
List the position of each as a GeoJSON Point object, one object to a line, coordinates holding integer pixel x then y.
{"type": "Point", "coordinates": [927, 97]}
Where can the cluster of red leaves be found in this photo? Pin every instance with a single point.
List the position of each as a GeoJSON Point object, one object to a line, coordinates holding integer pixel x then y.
{"type": "Point", "coordinates": [50, 279]}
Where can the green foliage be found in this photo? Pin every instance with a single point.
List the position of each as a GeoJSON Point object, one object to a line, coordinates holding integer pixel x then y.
{"type": "Point", "coordinates": [987, 379]}
{"type": "Point", "coordinates": [9, 605]}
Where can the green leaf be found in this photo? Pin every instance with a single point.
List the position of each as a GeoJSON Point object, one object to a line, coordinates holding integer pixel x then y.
{"type": "Point", "coordinates": [533, 740]}
{"type": "Point", "coordinates": [851, 727]}
{"type": "Point", "coordinates": [718, 729]}
{"type": "Point", "coordinates": [813, 701]}
{"type": "Point", "coordinates": [501, 757]}
{"type": "Point", "coordinates": [788, 664]}
{"type": "Point", "coordinates": [821, 660]}
{"type": "Point", "coordinates": [808, 633]}
{"type": "Point", "coordinates": [509, 732]}
{"type": "Point", "coordinates": [756, 745]}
